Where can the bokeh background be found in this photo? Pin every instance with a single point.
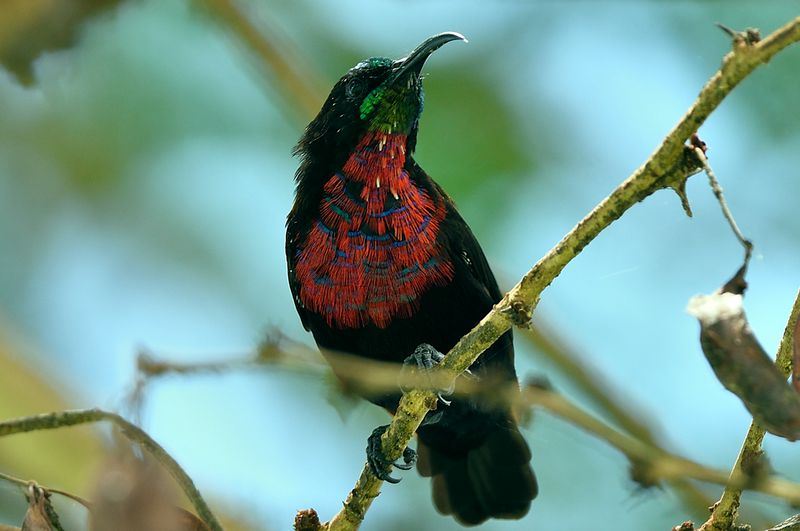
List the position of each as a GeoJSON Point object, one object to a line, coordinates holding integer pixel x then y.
{"type": "Point", "coordinates": [146, 172]}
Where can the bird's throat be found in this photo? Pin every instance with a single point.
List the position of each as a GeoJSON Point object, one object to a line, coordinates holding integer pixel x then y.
{"type": "Point", "coordinates": [373, 250]}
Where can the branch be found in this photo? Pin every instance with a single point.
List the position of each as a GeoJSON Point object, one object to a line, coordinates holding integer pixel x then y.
{"type": "Point", "coordinates": [649, 463]}
{"type": "Point", "coordinates": [723, 204]}
{"type": "Point", "coordinates": [24, 483]}
{"type": "Point", "coordinates": [669, 166]}
{"type": "Point", "coordinates": [298, 85]}
{"type": "Point", "coordinates": [587, 380]}
{"type": "Point", "coordinates": [49, 421]}
{"type": "Point", "coordinates": [726, 509]}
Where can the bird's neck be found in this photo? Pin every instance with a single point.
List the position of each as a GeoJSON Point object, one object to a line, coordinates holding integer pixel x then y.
{"type": "Point", "coordinates": [378, 160]}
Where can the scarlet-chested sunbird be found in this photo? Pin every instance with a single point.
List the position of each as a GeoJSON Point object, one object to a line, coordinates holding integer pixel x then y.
{"type": "Point", "coordinates": [381, 265]}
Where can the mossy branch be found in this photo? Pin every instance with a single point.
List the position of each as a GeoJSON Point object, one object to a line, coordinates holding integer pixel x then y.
{"type": "Point", "coordinates": [725, 510]}
{"type": "Point", "coordinates": [49, 421]}
{"type": "Point", "coordinates": [668, 167]}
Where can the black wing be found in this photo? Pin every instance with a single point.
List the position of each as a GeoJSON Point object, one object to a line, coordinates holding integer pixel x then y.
{"type": "Point", "coordinates": [464, 246]}
{"type": "Point", "coordinates": [293, 239]}
{"type": "Point", "coordinates": [457, 237]}
{"type": "Point", "coordinates": [474, 273]}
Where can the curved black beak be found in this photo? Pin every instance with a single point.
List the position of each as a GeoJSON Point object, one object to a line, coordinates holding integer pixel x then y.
{"type": "Point", "coordinates": [414, 61]}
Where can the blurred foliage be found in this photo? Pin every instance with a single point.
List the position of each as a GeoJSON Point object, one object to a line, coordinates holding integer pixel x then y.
{"type": "Point", "coordinates": [778, 106]}
{"type": "Point", "coordinates": [297, 83]}
{"type": "Point", "coordinates": [30, 27]}
{"type": "Point", "coordinates": [60, 458]}
{"type": "Point", "coordinates": [446, 128]}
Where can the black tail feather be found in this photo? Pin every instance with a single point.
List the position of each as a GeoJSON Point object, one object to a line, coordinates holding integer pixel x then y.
{"type": "Point", "coordinates": [492, 480]}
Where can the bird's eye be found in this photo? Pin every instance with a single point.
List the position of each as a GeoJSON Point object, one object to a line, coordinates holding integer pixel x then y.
{"type": "Point", "coordinates": [354, 89]}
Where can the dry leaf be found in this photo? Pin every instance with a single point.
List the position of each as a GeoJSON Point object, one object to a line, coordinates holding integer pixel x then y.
{"type": "Point", "coordinates": [135, 494]}
{"type": "Point", "coordinates": [40, 515]}
{"type": "Point", "coordinates": [742, 365]}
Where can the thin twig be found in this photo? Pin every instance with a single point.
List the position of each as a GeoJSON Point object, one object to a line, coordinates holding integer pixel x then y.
{"type": "Point", "coordinates": [49, 421]}
{"type": "Point", "coordinates": [298, 85]}
{"type": "Point", "coordinates": [726, 509]}
{"type": "Point", "coordinates": [281, 352]}
{"type": "Point", "coordinates": [592, 384]}
{"type": "Point", "coordinates": [11, 479]}
{"type": "Point", "coordinates": [668, 166]}
{"type": "Point", "coordinates": [276, 349]}
{"type": "Point", "coordinates": [650, 463]}
{"type": "Point", "coordinates": [24, 483]}
{"type": "Point", "coordinates": [717, 189]}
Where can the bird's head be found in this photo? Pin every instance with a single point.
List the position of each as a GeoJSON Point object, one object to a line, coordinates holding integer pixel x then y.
{"type": "Point", "coordinates": [376, 95]}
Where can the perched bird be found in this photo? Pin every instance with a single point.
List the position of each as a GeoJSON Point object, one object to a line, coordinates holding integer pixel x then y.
{"type": "Point", "coordinates": [381, 265]}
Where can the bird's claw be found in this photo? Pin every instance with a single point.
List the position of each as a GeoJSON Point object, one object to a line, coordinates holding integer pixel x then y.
{"type": "Point", "coordinates": [409, 458]}
{"type": "Point", "coordinates": [377, 461]}
{"type": "Point", "coordinates": [425, 358]}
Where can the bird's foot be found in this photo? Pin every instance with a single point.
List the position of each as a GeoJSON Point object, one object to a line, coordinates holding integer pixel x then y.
{"type": "Point", "coordinates": [418, 366]}
{"type": "Point", "coordinates": [382, 467]}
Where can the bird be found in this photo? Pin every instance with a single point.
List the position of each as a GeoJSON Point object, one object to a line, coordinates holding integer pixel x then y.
{"type": "Point", "coordinates": [381, 265]}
